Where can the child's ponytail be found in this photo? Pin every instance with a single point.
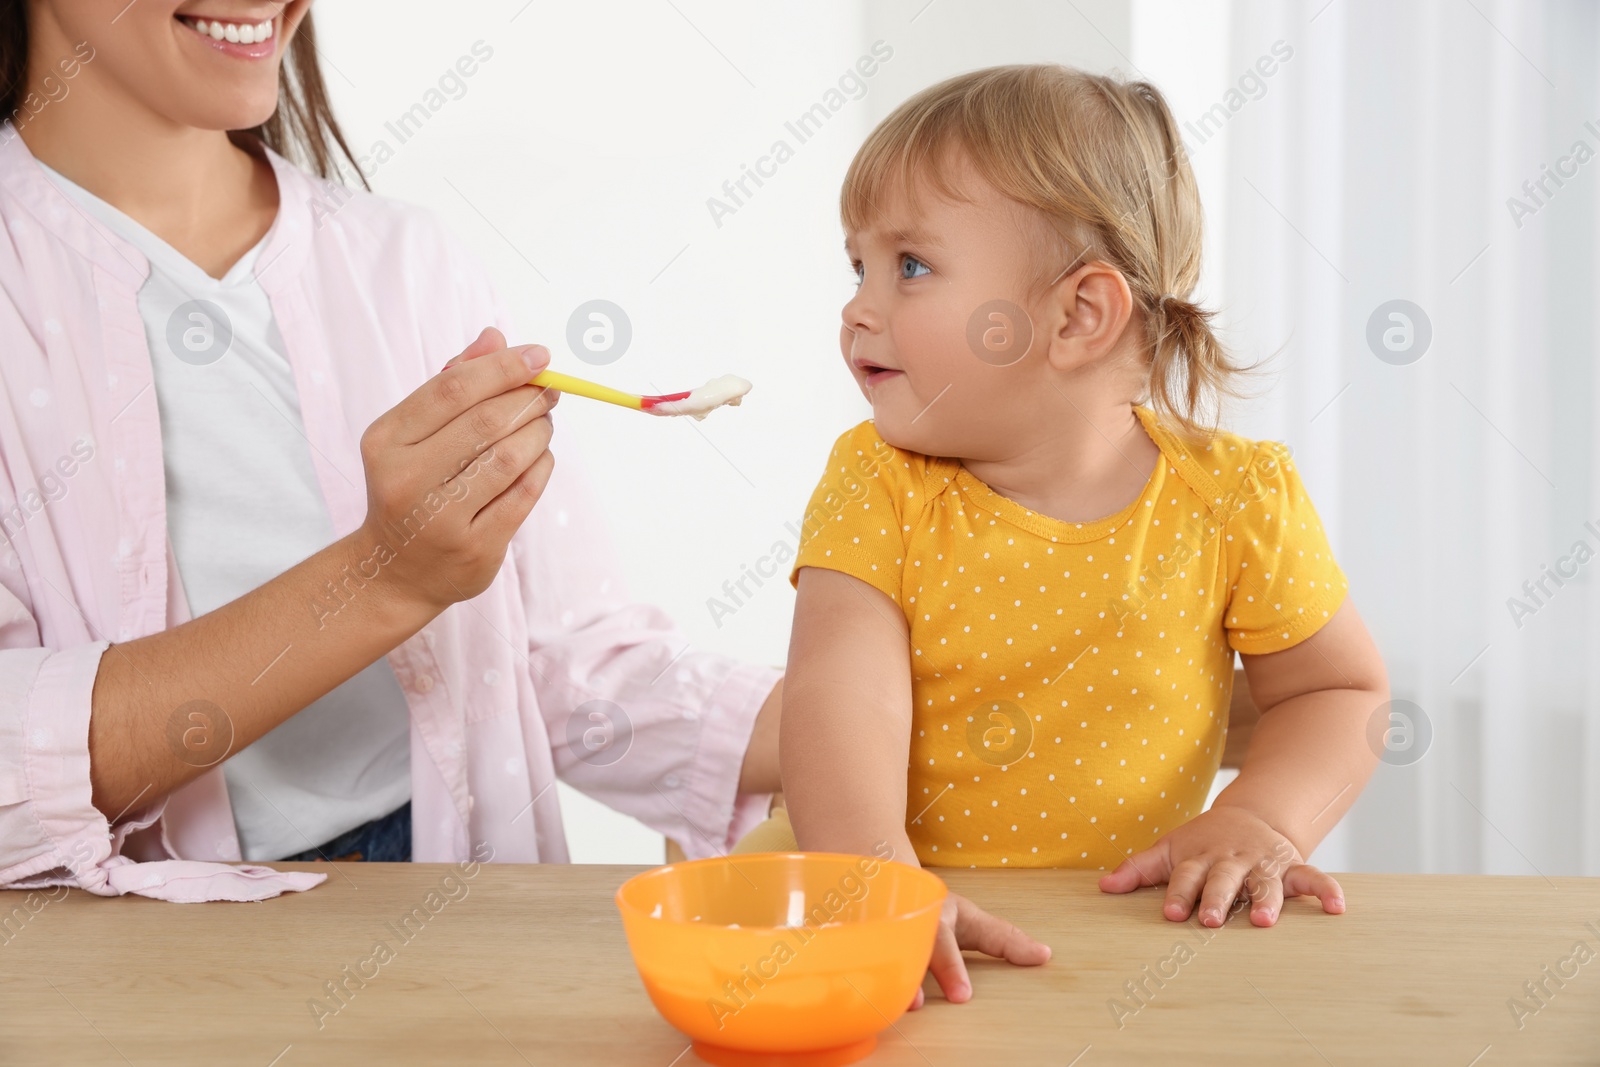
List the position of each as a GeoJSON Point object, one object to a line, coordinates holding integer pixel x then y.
{"type": "Point", "coordinates": [1190, 370]}
{"type": "Point", "coordinates": [1157, 240]}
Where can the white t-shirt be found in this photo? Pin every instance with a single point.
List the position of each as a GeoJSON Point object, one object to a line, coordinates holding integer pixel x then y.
{"type": "Point", "coordinates": [243, 506]}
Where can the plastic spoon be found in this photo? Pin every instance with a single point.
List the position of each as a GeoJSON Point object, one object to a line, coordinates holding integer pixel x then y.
{"type": "Point", "coordinates": [726, 389]}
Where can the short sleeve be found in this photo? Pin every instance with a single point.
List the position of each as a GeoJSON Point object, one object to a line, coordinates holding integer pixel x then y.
{"type": "Point", "coordinates": [857, 518]}
{"type": "Point", "coordinates": [1284, 583]}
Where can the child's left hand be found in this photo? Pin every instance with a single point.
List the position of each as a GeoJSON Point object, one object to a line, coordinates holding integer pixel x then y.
{"type": "Point", "coordinates": [1212, 857]}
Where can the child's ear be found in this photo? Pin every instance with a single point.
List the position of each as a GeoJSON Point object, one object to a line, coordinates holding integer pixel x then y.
{"type": "Point", "coordinates": [1091, 307]}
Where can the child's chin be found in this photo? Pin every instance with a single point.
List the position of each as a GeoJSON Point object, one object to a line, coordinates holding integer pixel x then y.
{"type": "Point", "coordinates": [904, 430]}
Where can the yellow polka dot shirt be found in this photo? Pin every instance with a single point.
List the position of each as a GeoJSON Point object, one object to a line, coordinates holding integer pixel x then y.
{"type": "Point", "coordinates": [1071, 680]}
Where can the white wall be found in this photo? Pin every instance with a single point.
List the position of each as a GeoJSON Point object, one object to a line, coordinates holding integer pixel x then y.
{"type": "Point", "coordinates": [580, 158]}
{"type": "Point", "coordinates": [578, 161]}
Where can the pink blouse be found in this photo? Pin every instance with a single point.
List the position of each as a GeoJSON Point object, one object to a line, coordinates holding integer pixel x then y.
{"type": "Point", "coordinates": [371, 297]}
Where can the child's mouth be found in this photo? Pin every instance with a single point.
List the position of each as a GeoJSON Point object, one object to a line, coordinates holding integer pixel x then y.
{"type": "Point", "coordinates": [876, 375]}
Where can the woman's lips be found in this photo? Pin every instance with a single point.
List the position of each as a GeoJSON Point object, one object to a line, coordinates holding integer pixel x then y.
{"type": "Point", "coordinates": [247, 40]}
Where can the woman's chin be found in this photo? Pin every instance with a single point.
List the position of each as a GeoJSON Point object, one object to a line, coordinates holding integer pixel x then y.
{"type": "Point", "coordinates": [238, 115]}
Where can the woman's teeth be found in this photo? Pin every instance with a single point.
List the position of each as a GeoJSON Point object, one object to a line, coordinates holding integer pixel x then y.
{"type": "Point", "coordinates": [237, 32]}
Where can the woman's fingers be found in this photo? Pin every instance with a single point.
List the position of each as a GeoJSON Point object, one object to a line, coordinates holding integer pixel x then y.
{"type": "Point", "coordinates": [489, 340]}
{"type": "Point", "coordinates": [442, 507]}
{"type": "Point", "coordinates": [445, 396]}
{"type": "Point", "coordinates": [1304, 880]}
{"type": "Point", "coordinates": [479, 428]}
{"type": "Point", "coordinates": [498, 471]}
{"type": "Point", "coordinates": [978, 930]}
{"type": "Point", "coordinates": [510, 509]}
{"type": "Point", "coordinates": [1223, 883]}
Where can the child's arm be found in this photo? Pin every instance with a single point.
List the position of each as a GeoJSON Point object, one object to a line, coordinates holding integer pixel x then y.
{"type": "Point", "coordinates": [1311, 754]}
{"type": "Point", "coordinates": [845, 734]}
{"type": "Point", "coordinates": [844, 742]}
{"type": "Point", "coordinates": [1307, 762]}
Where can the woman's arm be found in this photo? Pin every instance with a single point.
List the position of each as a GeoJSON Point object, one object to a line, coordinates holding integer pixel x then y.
{"type": "Point", "coordinates": [845, 739]}
{"type": "Point", "coordinates": [759, 772]}
{"type": "Point", "coordinates": [474, 437]}
{"type": "Point", "coordinates": [171, 705]}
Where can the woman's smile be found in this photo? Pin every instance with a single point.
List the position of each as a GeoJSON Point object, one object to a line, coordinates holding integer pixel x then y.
{"type": "Point", "coordinates": [248, 40]}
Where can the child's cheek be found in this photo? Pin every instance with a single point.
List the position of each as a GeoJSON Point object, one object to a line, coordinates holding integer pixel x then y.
{"type": "Point", "coordinates": [847, 340]}
{"type": "Point", "coordinates": [942, 353]}
{"type": "Point", "coordinates": [925, 412]}
{"type": "Point", "coordinates": [932, 342]}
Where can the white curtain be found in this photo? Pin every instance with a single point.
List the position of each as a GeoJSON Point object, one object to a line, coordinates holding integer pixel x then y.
{"type": "Point", "coordinates": [1385, 160]}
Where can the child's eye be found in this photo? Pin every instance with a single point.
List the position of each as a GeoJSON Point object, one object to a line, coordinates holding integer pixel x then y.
{"type": "Point", "coordinates": [858, 271]}
{"type": "Point", "coordinates": [915, 266]}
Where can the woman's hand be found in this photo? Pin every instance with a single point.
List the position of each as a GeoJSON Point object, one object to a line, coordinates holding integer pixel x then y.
{"type": "Point", "coordinates": [962, 924]}
{"type": "Point", "coordinates": [453, 470]}
{"type": "Point", "coordinates": [1212, 856]}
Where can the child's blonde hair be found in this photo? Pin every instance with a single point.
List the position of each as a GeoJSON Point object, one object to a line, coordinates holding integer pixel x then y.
{"type": "Point", "coordinates": [1102, 162]}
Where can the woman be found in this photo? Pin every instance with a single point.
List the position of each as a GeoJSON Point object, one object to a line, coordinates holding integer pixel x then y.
{"type": "Point", "coordinates": [274, 585]}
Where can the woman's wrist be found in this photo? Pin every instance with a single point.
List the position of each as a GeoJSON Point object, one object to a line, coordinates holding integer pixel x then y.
{"type": "Point", "coordinates": [362, 574]}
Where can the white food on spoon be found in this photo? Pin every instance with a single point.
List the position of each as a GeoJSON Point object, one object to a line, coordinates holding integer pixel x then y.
{"type": "Point", "coordinates": [726, 389]}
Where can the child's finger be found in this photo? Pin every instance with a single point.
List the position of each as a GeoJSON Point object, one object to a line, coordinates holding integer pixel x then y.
{"type": "Point", "coordinates": [1183, 887]}
{"type": "Point", "coordinates": [1141, 869]}
{"type": "Point", "coordinates": [978, 930]}
{"type": "Point", "coordinates": [916, 1001]}
{"type": "Point", "coordinates": [948, 968]}
{"type": "Point", "coordinates": [1306, 880]}
{"type": "Point", "coordinates": [1266, 899]}
{"type": "Point", "coordinates": [1223, 883]}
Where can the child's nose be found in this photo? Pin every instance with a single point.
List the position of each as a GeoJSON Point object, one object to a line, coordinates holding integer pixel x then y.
{"type": "Point", "coordinates": [858, 314]}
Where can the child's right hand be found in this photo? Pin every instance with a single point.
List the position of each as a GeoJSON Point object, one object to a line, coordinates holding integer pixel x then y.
{"type": "Point", "coordinates": [964, 925]}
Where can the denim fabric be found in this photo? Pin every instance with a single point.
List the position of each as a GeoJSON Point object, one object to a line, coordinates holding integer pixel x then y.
{"type": "Point", "coordinates": [386, 839]}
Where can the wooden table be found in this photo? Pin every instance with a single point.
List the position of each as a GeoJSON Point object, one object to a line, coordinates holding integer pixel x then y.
{"type": "Point", "coordinates": [528, 965]}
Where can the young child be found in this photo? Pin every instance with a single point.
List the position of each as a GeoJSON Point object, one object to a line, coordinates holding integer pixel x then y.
{"type": "Point", "coordinates": [1023, 582]}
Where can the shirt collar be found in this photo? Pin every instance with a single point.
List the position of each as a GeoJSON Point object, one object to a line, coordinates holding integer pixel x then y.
{"type": "Point", "coordinates": [280, 260]}
{"type": "Point", "coordinates": [53, 211]}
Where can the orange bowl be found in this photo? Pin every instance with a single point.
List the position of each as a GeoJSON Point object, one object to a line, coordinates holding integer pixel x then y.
{"type": "Point", "coordinates": [792, 958]}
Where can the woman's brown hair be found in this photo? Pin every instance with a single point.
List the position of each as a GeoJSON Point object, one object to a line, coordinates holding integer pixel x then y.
{"type": "Point", "coordinates": [301, 129]}
{"type": "Point", "coordinates": [1101, 160]}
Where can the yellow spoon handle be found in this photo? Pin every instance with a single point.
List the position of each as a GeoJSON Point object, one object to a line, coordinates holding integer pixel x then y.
{"type": "Point", "coordinates": [566, 383]}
